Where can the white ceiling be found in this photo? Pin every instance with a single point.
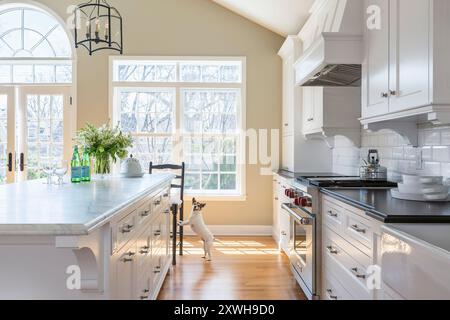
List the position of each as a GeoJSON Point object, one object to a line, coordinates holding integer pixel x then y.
{"type": "Point", "coordinates": [285, 17]}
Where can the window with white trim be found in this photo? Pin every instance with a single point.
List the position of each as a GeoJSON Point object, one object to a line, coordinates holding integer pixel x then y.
{"type": "Point", "coordinates": [188, 110]}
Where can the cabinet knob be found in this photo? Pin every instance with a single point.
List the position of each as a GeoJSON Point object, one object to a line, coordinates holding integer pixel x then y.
{"type": "Point", "coordinates": [286, 124]}
{"type": "Point", "coordinates": [384, 95]}
{"type": "Point", "coordinates": [146, 213]}
{"type": "Point", "coordinates": [358, 229]}
{"type": "Point", "coordinates": [127, 229]}
{"type": "Point", "coordinates": [393, 93]}
{"type": "Point", "coordinates": [330, 294]}
{"type": "Point", "coordinates": [332, 214]}
{"type": "Point", "coordinates": [332, 250]}
{"type": "Point", "coordinates": [358, 275]}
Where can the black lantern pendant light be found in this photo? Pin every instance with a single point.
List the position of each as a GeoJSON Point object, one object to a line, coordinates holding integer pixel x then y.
{"type": "Point", "coordinates": [99, 27]}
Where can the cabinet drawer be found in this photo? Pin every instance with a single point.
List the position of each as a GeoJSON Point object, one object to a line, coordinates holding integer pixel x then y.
{"type": "Point", "coordinates": [144, 212]}
{"type": "Point", "coordinates": [347, 279]}
{"type": "Point", "coordinates": [333, 216]}
{"type": "Point", "coordinates": [125, 230]}
{"type": "Point", "coordinates": [360, 230]}
{"type": "Point", "coordinates": [332, 289]}
{"type": "Point", "coordinates": [350, 258]}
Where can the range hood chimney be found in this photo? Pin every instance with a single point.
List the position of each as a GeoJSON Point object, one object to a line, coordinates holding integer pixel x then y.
{"type": "Point", "coordinates": [335, 58]}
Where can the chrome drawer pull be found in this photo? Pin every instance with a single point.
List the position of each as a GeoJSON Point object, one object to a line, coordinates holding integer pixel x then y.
{"type": "Point", "coordinates": [146, 213]}
{"type": "Point", "coordinates": [165, 195]}
{"type": "Point", "coordinates": [143, 297]}
{"type": "Point", "coordinates": [144, 250]}
{"type": "Point", "coordinates": [358, 229]}
{"type": "Point", "coordinates": [130, 254]}
{"type": "Point", "coordinates": [330, 294]}
{"type": "Point", "coordinates": [167, 211]}
{"type": "Point", "coordinates": [157, 270]}
{"type": "Point", "coordinates": [283, 233]}
{"type": "Point", "coordinates": [127, 229]}
{"type": "Point", "coordinates": [157, 233]}
{"type": "Point", "coordinates": [358, 275]}
{"type": "Point", "coordinates": [332, 214]}
{"type": "Point", "coordinates": [157, 202]}
{"type": "Point", "coordinates": [332, 250]}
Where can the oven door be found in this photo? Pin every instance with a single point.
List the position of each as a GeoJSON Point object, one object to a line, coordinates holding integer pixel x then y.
{"type": "Point", "coordinates": [303, 250]}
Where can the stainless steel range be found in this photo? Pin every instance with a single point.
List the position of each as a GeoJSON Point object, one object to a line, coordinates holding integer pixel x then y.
{"type": "Point", "coordinates": [306, 224]}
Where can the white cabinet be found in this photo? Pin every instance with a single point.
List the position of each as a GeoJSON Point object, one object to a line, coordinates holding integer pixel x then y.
{"type": "Point", "coordinates": [349, 249]}
{"type": "Point", "coordinates": [276, 208]}
{"type": "Point", "coordinates": [288, 147]}
{"type": "Point", "coordinates": [415, 261]}
{"type": "Point", "coordinates": [297, 152]}
{"type": "Point", "coordinates": [285, 230]}
{"type": "Point", "coordinates": [330, 111]}
{"type": "Point", "coordinates": [406, 67]}
{"type": "Point", "coordinates": [125, 271]}
{"type": "Point", "coordinates": [409, 54]}
{"type": "Point", "coordinates": [140, 258]}
{"type": "Point", "coordinates": [375, 88]}
{"type": "Point", "coordinates": [312, 109]}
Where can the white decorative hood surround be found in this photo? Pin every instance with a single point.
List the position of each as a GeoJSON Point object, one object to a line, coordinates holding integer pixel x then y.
{"type": "Point", "coordinates": [335, 58]}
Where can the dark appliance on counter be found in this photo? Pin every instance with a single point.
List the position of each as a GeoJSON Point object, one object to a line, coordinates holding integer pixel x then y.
{"type": "Point", "coordinates": [306, 224]}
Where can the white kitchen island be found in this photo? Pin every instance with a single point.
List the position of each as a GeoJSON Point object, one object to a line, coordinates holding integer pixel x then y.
{"type": "Point", "coordinates": [108, 239]}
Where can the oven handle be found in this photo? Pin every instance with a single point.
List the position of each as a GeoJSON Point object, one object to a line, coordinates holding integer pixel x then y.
{"type": "Point", "coordinates": [286, 207]}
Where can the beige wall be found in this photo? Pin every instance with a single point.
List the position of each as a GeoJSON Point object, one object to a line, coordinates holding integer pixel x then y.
{"type": "Point", "coordinates": [194, 27]}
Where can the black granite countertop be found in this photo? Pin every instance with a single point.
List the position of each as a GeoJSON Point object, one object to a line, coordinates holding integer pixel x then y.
{"type": "Point", "coordinates": [379, 204]}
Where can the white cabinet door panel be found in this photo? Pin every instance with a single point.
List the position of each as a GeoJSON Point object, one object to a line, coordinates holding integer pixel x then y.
{"type": "Point", "coordinates": [376, 65]}
{"type": "Point", "coordinates": [410, 55]}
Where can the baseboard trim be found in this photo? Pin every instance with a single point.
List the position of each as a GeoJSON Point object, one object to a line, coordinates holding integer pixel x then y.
{"type": "Point", "coordinates": [235, 230]}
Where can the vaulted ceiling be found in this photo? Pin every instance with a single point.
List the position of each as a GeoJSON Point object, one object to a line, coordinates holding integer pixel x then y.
{"type": "Point", "coordinates": [285, 17]}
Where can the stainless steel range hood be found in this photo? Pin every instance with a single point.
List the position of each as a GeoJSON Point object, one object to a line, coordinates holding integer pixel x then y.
{"type": "Point", "coordinates": [335, 58]}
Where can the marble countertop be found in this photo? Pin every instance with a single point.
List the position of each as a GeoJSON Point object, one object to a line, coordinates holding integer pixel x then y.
{"type": "Point", "coordinates": [379, 204]}
{"type": "Point", "coordinates": [34, 208]}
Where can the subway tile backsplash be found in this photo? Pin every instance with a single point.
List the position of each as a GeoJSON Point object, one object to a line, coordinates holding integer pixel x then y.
{"type": "Point", "coordinates": [396, 154]}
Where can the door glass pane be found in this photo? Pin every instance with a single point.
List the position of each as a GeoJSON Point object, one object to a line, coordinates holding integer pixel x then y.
{"type": "Point", "coordinates": [45, 132]}
{"type": "Point", "coordinates": [3, 138]}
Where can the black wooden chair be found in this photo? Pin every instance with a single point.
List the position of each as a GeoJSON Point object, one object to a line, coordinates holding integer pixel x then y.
{"type": "Point", "coordinates": [177, 205]}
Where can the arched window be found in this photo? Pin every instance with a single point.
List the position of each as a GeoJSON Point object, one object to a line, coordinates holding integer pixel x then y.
{"type": "Point", "coordinates": [39, 41]}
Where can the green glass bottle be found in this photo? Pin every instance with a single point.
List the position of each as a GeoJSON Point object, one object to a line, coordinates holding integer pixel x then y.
{"type": "Point", "coordinates": [75, 166]}
{"type": "Point", "coordinates": [86, 166]}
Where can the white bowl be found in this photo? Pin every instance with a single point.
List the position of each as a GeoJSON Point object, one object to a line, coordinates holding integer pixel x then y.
{"type": "Point", "coordinates": [415, 188]}
{"type": "Point", "coordinates": [432, 180]}
{"type": "Point", "coordinates": [415, 179]}
{"type": "Point", "coordinates": [430, 189]}
{"type": "Point", "coordinates": [436, 196]}
{"type": "Point", "coordinates": [410, 179]}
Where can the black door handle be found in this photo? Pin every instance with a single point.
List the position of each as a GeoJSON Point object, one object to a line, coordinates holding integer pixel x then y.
{"type": "Point", "coordinates": [22, 162]}
{"type": "Point", "coordinates": [10, 162]}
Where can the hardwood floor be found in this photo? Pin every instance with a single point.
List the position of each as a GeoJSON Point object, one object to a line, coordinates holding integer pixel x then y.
{"type": "Point", "coordinates": [243, 268]}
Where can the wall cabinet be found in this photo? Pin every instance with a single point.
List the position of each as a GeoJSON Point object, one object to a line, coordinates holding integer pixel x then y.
{"type": "Point", "coordinates": [297, 152]}
{"type": "Point", "coordinates": [405, 69]}
{"type": "Point", "coordinates": [330, 111]}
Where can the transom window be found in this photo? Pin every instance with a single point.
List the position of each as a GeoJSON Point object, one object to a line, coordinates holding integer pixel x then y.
{"type": "Point", "coordinates": [189, 110]}
{"type": "Point", "coordinates": [34, 47]}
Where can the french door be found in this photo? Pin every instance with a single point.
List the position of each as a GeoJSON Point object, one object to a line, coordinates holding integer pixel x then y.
{"type": "Point", "coordinates": [7, 135]}
{"type": "Point", "coordinates": [36, 127]}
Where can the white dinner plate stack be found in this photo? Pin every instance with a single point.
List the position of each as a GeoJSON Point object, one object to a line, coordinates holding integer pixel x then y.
{"type": "Point", "coordinates": [421, 188]}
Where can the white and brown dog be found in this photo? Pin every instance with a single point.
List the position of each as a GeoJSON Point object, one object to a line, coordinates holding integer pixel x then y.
{"type": "Point", "coordinates": [199, 227]}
